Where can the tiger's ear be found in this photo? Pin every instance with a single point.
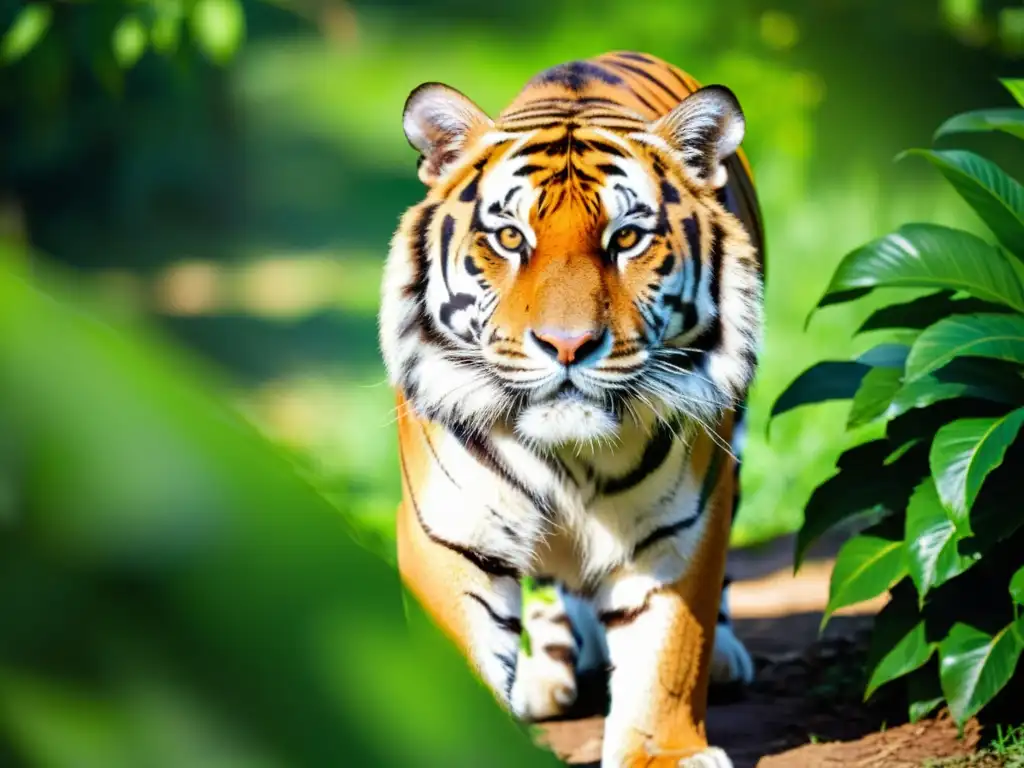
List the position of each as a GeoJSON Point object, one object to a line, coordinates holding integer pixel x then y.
{"type": "Point", "coordinates": [706, 127]}
{"type": "Point", "coordinates": [437, 121]}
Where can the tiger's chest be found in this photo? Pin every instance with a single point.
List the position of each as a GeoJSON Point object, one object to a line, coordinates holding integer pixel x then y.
{"type": "Point", "coordinates": [645, 510]}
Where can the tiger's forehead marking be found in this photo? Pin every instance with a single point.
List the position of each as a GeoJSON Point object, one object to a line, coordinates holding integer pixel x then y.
{"type": "Point", "coordinates": [565, 163]}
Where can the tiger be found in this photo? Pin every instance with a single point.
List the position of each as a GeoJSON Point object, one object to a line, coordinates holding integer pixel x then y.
{"type": "Point", "coordinates": [570, 320]}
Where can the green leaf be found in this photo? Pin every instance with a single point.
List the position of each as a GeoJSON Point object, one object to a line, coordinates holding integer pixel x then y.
{"type": "Point", "coordinates": [27, 30]}
{"type": "Point", "coordinates": [863, 484]}
{"type": "Point", "coordinates": [866, 566]}
{"type": "Point", "coordinates": [827, 380]}
{"type": "Point", "coordinates": [874, 395]}
{"type": "Point", "coordinates": [919, 313]}
{"type": "Point", "coordinates": [994, 195]}
{"type": "Point", "coordinates": [1007, 119]}
{"type": "Point", "coordinates": [961, 378]}
{"type": "Point", "coordinates": [899, 644]}
{"type": "Point", "coordinates": [932, 540]}
{"type": "Point", "coordinates": [908, 653]}
{"type": "Point", "coordinates": [838, 379]}
{"type": "Point", "coordinates": [991, 335]}
{"type": "Point", "coordinates": [1017, 587]}
{"type": "Point", "coordinates": [974, 666]}
{"type": "Point", "coordinates": [129, 41]}
{"type": "Point", "coordinates": [927, 256]}
{"type": "Point", "coordinates": [928, 391]}
{"type": "Point", "coordinates": [1016, 88]}
{"type": "Point", "coordinates": [963, 454]}
{"type": "Point", "coordinates": [924, 693]}
{"type": "Point", "coordinates": [218, 26]}
{"type": "Point", "coordinates": [886, 356]}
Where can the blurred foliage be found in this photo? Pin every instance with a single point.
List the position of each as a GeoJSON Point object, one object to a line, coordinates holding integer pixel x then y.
{"type": "Point", "coordinates": [940, 485]}
{"type": "Point", "coordinates": [174, 593]}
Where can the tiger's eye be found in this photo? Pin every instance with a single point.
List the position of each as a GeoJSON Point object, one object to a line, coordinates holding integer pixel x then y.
{"type": "Point", "coordinates": [626, 238]}
{"type": "Point", "coordinates": [510, 238]}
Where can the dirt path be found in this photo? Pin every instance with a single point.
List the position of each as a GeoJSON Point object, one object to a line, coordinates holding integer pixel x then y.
{"type": "Point", "coordinates": [801, 694]}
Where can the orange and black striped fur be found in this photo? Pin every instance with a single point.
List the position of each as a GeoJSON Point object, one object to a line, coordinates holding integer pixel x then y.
{"type": "Point", "coordinates": [571, 319]}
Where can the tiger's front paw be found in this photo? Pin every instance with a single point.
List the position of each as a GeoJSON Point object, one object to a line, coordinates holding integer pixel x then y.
{"type": "Point", "coordinates": [545, 684]}
{"type": "Point", "coordinates": [712, 757]}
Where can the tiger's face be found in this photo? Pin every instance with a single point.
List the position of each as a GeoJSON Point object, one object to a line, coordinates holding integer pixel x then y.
{"type": "Point", "coordinates": [566, 279]}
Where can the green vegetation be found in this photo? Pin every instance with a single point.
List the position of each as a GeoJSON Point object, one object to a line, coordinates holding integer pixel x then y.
{"type": "Point", "coordinates": [1006, 750]}
{"type": "Point", "coordinates": [939, 485]}
{"type": "Point", "coordinates": [183, 596]}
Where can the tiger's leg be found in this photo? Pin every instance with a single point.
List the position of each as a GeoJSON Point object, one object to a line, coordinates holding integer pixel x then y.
{"type": "Point", "coordinates": [474, 600]}
{"type": "Point", "coordinates": [731, 662]}
{"type": "Point", "coordinates": [661, 637]}
{"type": "Point", "coordinates": [545, 685]}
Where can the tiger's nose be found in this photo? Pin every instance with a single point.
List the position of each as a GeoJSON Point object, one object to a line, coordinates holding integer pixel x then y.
{"type": "Point", "coordinates": [567, 348]}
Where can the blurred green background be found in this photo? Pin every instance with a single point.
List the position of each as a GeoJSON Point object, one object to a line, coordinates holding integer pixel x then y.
{"type": "Point", "coordinates": [221, 180]}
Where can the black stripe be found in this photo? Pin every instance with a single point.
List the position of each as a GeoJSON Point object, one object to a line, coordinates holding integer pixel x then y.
{"type": "Point", "coordinates": [622, 617]}
{"type": "Point", "coordinates": [691, 226]}
{"type": "Point", "coordinates": [707, 487]}
{"type": "Point", "coordinates": [489, 564]}
{"type": "Point", "coordinates": [648, 76]}
{"type": "Point", "coordinates": [656, 451]}
{"type": "Point", "coordinates": [608, 149]}
{"type": "Point", "coordinates": [447, 230]}
{"type": "Point", "coordinates": [636, 57]}
{"type": "Point", "coordinates": [640, 97]}
{"type": "Point", "coordinates": [479, 448]}
{"type": "Point", "coordinates": [421, 232]}
{"type": "Point", "coordinates": [611, 170]}
{"type": "Point", "coordinates": [508, 661]}
{"type": "Point", "coordinates": [456, 303]}
{"type": "Point", "coordinates": [526, 170]}
{"type": "Point", "coordinates": [508, 623]}
{"type": "Point", "coordinates": [664, 532]}
{"type": "Point", "coordinates": [716, 264]}
{"type": "Point", "coordinates": [552, 148]}
{"type": "Point", "coordinates": [669, 194]}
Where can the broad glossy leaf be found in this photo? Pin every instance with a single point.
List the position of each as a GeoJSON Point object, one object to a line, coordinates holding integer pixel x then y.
{"type": "Point", "coordinates": [1017, 587]}
{"type": "Point", "coordinates": [974, 666]}
{"type": "Point", "coordinates": [909, 653]}
{"type": "Point", "coordinates": [919, 313]}
{"type": "Point", "coordinates": [927, 256]}
{"type": "Point", "coordinates": [874, 395]}
{"type": "Point", "coordinates": [898, 640]}
{"type": "Point", "coordinates": [27, 30]}
{"type": "Point", "coordinates": [1006, 119]}
{"type": "Point", "coordinates": [865, 567]}
{"type": "Point", "coordinates": [929, 390]}
{"type": "Point", "coordinates": [827, 380]}
{"type": "Point", "coordinates": [994, 195]}
{"type": "Point", "coordinates": [996, 336]}
{"type": "Point", "coordinates": [864, 484]}
{"type": "Point", "coordinates": [923, 692]}
{"type": "Point", "coordinates": [1016, 88]}
{"type": "Point", "coordinates": [886, 355]}
{"type": "Point", "coordinates": [932, 540]}
{"type": "Point", "coordinates": [964, 452]}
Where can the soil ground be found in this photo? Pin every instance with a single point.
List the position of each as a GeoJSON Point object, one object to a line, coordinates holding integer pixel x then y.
{"type": "Point", "coordinates": [804, 709]}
